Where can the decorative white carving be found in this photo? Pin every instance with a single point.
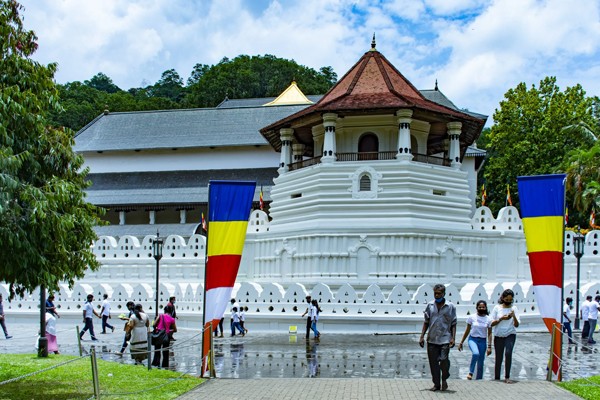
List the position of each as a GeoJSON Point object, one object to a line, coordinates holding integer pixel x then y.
{"type": "Point", "coordinates": [449, 246]}
{"type": "Point", "coordinates": [374, 176]}
{"type": "Point", "coordinates": [285, 246]}
{"type": "Point", "coordinates": [362, 242]}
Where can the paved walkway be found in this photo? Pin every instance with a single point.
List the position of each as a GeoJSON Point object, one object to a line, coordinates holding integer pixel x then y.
{"type": "Point", "coordinates": [277, 365]}
{"type": "Point", "coordinates": [375, 389]}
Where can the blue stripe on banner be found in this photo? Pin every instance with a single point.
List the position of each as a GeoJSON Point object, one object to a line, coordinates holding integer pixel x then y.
{"type": "Point", "coordinates": [542, 195]}
{"type": "Point", "coordinates": [230, 200]}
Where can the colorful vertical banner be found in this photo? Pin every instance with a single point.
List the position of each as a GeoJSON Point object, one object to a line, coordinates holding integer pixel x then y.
{"type": "Point", "coordinates": [229, 206]}
{"type": "Point", "coordinates": [261, 202]}
{"type": "Point", "coordinates": [508, 198]}
{"type": "Point", "coordinates": [542, 201]}
{"type": "Point", "coordinates": [483, 195]}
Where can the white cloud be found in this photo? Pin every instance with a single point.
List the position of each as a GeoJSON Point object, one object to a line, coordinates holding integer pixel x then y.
{"type": "Point", "coordinates": [476, 49]}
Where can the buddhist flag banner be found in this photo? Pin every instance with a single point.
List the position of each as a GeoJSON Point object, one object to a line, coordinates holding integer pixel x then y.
{"type": "Point", "coordinates": [542, 200]}
{"type": "Point", "coordinates": [229, 206]}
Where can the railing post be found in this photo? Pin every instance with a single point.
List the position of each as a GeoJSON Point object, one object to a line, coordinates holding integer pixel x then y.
{"type": "Point", "coordinates": [95, 374]}
{"type": "Point", "coordinates": [79, 342]}
{"type": "Point", "coordinates": [149, 351]}
{"type": "Point", "coordinates": [551, 360]}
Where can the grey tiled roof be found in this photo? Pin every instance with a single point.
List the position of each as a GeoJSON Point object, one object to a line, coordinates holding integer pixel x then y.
{"type": "Point", "coordinates": [202, 127]}
{"type": "Point", "coordinates": [169, 187]}
{"type": "Point", "coordinates": [475, 152]}
{"type": "Point", "coordinates": [256, 102]}
{"type": "Point", "coordinates": [438, 97]}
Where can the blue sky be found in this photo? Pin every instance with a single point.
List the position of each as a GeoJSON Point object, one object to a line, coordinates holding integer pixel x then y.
{"type": "Point", "coordinates": [476, 49]}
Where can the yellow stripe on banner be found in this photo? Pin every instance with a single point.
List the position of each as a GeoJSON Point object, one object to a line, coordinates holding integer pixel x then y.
{"type": "Point", "coordinates": [226, 237]}
{"type": "Point", "coordinates": [543, 233]}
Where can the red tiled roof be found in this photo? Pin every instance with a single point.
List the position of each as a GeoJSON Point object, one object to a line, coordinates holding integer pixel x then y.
{"type": "Point", "coordinates": [373, 84]}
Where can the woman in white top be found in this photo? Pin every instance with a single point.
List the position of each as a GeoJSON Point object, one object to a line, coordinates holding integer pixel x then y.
{"type": "Point", "coordinates": [51, 333]}
{"type": "Point", "coordinates": [505, 320]}
{"type": "Point", "coordinates": [314, 317]}
{"type": "Point", "coordinates": [480, 328]}
{"type": "Point", "coordinates": [138, 325]}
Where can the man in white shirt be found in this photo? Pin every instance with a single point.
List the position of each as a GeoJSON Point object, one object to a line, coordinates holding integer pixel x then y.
{"type": "Point", "coordinates": [585, 312]}
{"type": "Point", "coordinates": [88, 315]}
{"type": "Point", "coordinates": [593, 318]}
{"type": "Point", "coordinates": [105, 312]}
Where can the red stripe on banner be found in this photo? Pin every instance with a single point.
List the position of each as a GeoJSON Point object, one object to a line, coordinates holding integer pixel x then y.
{"type": "Point", "coordinates": [222, 270]}
{"type": "Point", "coordinates": [546, 268]}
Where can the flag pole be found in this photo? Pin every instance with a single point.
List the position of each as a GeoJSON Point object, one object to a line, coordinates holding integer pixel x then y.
{"type": "Point", "coordinates": [205, 264]}
{"type": "Point", "coordinates": [562, 289]}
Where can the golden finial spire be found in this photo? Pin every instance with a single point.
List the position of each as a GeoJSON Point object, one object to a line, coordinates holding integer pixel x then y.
{"type": "Point", "coordinates": [373, 42]}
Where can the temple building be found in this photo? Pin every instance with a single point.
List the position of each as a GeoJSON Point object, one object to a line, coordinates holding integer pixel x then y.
{"type": "Point", "coordinates": [370, 193]}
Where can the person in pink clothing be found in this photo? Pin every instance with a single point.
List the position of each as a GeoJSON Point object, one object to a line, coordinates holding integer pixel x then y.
{"type": "Point", "coordinates": [167, 322]}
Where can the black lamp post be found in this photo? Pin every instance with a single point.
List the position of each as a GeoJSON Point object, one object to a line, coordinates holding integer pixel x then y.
{"type": "Point", "coordinates": [157, 247]}
{"type": "Point", "coordinates": [578, 245]}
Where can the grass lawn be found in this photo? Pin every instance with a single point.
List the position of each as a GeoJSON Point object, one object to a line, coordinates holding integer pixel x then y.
{"type": "Point", "coordinates": [74, 380]}
{"type": "Point", "coordinates": [585, 388]}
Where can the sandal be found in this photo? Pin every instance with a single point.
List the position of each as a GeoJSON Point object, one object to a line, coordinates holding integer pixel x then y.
{"type": "Point", "coordinates": [470, 376]}
{"type": "Point", "coordinates": [435, 388]}
{"type": "Point", "coordinates": [508, 381]}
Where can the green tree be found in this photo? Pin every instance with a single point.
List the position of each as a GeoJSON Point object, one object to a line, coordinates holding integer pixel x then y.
{"type": "Point", "coordinates": [103, 83]}
{"type": "Point", "coordinates": [170, 86]}
{"type": "Point", "coordinates": [528, 136]}
{"type": "Point", "coordinates": [252, 77]}
{"type": "Point", "coordinates": [46, 226]}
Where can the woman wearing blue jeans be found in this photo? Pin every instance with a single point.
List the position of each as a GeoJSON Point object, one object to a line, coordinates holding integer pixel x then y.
{"type": "Point", "coordinates": [479, 332]}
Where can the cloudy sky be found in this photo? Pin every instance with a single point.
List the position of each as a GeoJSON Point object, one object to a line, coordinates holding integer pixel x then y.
{"type": "Point", "coordinates": [476, 49]}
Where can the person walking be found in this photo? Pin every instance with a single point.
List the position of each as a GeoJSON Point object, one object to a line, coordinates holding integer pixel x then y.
{"type": "Point", "coordinates": [173, 313]}
{"type": "Point", "coordinates": [125, 317]}
{"type": "Point", "coordinates": [440, 320]}
{"type": "Point", "coordinates": [243, 311]}
{"type": "Point", "coordinates": [3, 319]}
{"type": "Point", "coordinates": [314, 317]}
{"type": "Point", "coordinates": [105, 313]}
{"type": "Point", "coordinates": [505, 321]}
{"type": "Point", "coordinates": [51, 333]}
{"type": "Point", "coordinates": [479, 332]}
{"type": "Point", "coordinates": [138, 325]}
{"type": "Point", "coordinates": [566, 318]}
{"type": "Point", "coordinates": [88, 315]}
{"type": "Point", "coordinates": [218, 327]}
{"type": "Point", "coordinates": [585, 313]}
{"type": "Point", "coordinates": [235, 322]}
{"type": "Point", "coordinates": [50, 306]}
{"type": "Point", "coordinates": [166, 322]}
{"type": "Point", "coordinates": [593, 318]}
{"type": "Point", "coordinates": [308, 321]}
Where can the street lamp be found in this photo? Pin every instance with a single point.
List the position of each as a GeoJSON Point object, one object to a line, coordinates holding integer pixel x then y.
{"type": "Point", "coordinates": [157, 247]}
{"type": "Point", "coordinates": [578, 245]}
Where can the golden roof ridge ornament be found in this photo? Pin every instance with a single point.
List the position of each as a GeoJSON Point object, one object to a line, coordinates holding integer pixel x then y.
{"type": "Point", "coordinates": [373, 43]}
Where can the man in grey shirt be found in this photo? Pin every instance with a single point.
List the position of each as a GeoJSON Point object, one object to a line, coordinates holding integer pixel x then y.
{"type": "Point", "coordinates": [440, 319]}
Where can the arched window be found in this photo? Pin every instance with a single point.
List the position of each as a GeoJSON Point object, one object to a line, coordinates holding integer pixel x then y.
{"type": "Point", "coordinates": [368, 147]}
{"type": "Point", "coordinates": [365, 183]}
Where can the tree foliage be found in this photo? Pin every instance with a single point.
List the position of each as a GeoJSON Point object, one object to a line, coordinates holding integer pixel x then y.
{"type": "Point", "coordinates": [529, 135]}
{"type": "Point", "coordinates": [46, 226]}
{"type": "Point", "coordinates": [207, 86]}
{"type": "Point", "coordinates": [254, 77]}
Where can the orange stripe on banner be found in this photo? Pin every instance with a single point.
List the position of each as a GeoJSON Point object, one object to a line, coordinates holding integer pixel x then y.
{"type": "Point", "coordinates": [546, 268]}
{"type": "Point", "coordinates": [221, 271]}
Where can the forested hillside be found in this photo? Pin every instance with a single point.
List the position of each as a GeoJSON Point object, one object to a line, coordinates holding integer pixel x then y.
{"type": "Point", "coordinates": [243, 77]}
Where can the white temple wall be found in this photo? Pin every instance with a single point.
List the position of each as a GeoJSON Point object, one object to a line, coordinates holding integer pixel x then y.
{"type": "Point", "coordinates": [182, 159]}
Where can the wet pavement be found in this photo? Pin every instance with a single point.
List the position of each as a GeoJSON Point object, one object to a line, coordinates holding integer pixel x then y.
{"type": "Point", "coordinates": [281, 355]}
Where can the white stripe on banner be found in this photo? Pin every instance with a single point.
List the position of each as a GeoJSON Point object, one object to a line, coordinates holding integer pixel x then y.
{"type": "Point", "coordinates": [217, 300]}
{"type": "Point", "coordinates": [548, 299]}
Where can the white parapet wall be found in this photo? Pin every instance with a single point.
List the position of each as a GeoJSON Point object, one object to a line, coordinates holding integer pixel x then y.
{"type": "Point", "coordinates": [361, 286]}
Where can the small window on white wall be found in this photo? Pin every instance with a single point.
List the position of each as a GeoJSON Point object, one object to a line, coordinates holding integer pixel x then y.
{"type": "Point", "coordinates": [365, 183]}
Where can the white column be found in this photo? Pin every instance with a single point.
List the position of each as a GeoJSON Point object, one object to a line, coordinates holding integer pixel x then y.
{"type": "Point", "coordinates": [286, 149]}
{"type": "Point", "coordinates": [182, 216]}
{"type": "Point", "coordinates": [454, 130]}
{"type": "Point", "coordinates": [404, 120]}
{"type": "Point", "coordinates": [121, 217]}
{"type": "Point", "coordinates": [329, 150]}
{"type": "Point", "coordinates": [152, 214]}
{"type": "Point", "coordinates": [298, 152]}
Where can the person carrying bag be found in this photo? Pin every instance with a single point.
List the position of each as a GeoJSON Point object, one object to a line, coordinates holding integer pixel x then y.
{"type": "Point", "coordinates": [164, 325]}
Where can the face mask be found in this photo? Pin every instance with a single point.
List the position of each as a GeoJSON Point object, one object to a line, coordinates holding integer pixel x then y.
{"type": "Point", "coordinates": [482, 312]}
{"type": "Point", "coordinates": [440, 300]}
{"type": "Point", "coordinates": [508, 303]}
